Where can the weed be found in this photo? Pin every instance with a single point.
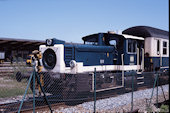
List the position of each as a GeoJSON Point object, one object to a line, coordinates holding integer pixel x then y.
{"type": "Point", "coordinates": [164, 108]}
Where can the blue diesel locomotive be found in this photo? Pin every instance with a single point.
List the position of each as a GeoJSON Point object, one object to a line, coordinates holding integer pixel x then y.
{"type": "Point", "coordinates": [70, 66]}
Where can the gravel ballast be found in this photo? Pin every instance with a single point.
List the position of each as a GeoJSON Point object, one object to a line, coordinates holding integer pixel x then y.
{"type": "Point", "coordinates": [121, 103]}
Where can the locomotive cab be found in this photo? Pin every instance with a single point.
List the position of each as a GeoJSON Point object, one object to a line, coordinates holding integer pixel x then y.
{"type": "Point", "coordinates": [108, 40]}
{"type": "Point", "coordinates": [134, 52]}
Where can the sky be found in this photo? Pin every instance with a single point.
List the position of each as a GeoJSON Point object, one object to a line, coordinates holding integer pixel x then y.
{"type": "Point", "coordinates": [70, 20]}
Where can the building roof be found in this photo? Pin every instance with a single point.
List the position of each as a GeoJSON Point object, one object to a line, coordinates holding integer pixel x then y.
{"type": "Point", "coordinates": [14, 44]}
{"type": "Point", "coordinates": [146, 31]}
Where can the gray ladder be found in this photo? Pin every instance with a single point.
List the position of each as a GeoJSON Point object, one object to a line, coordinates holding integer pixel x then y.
{"type": "Point", "coordinates": [140, 79]}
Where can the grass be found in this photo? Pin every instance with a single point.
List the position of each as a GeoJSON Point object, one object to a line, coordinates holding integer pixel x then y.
{"type": "Point", "coordinates": [11, 92]}
{"type": "Point", "coordinates": [9, 87]}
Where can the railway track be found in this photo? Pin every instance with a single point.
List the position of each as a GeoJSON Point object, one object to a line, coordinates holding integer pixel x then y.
{"type": "Point", "coordinates": [41, 106]}
{"type": "Point", "coordinates": [8, 71]}
{"type": "Point", "coordinates": [27, 107]}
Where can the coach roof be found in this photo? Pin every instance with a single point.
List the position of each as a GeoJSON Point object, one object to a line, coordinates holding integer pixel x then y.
{"type": "Point", "coordinates": [146, 31]}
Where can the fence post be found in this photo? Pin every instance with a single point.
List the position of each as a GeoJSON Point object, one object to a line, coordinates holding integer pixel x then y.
{"type": "Point", "coordinates": [25, 92]}
{"type": "Point", "coordinates": [157, 91]}
{"type": "Point", "coordinates": [132, 90]}
{"type": "Point", "coordinates": [163, 91]}
{"type": "Point", "coordinates": [94, 90]}
{"type": "Point", "coordinates": [153, 89]}
{"type": "Point", "coordinates": [34, 91]}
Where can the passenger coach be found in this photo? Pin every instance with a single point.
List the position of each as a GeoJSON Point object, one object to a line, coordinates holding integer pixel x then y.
{"type": "Point", "coordinates": [156, 46]}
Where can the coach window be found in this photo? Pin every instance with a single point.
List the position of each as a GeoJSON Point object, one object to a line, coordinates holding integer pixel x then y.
{"type": "Point", "coordinates": [134, 46]}
{"type": "Point", "coordinates": [158, 47]}
{"type": "Point", "coordinates": [164, 48]}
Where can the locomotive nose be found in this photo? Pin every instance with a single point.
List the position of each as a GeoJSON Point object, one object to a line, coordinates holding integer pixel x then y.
{"type": "Point", "coordinates": [49, 59]}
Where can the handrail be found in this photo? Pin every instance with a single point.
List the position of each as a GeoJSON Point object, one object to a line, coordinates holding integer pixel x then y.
{"type": "Point", "coordinates": [122, 58]}
{"type": "Point", "coordinates": [143, 59]}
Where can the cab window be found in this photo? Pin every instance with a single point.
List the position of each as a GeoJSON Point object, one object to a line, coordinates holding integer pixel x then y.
{"type": "Point", "coordinates": [112, 42]}
{"type": "Point", "coordinates": [131, 46]}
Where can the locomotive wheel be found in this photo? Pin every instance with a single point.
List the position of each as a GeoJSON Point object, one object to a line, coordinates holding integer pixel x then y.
{"type": "Point", "coordinates": [71, 96]}
{"type": "Point", "coordinates": [128, 84]}
{"type": "Point", "coordinates": [72, 92]}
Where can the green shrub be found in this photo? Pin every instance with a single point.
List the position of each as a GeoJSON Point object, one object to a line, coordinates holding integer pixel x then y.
{"type": "Point", "coordinates": [149, 110]}
{"type": "Point", "coordinates": [164, 108]}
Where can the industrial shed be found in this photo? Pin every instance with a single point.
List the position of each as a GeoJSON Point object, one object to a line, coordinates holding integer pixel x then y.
{"type": "Point", "coordinates": [18, 48]}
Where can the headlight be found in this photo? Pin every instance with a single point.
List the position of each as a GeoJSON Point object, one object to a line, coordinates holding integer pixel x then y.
{"type": "Point", "coordinates": [49, 42]}
{"type": "Point", "coordinates": [49, 59]}
{"type": "Point", "coordinates": [72, 63]}
{"type": "Point", "coordinates": [52, 42]}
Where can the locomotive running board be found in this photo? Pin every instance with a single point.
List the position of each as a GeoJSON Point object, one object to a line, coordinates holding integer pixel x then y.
{"type": "Point", "coordinates": [107, 89]}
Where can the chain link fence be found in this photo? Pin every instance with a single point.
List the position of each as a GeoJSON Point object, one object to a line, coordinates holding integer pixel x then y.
{"type": "Point", "coordinates": [71, 89]}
